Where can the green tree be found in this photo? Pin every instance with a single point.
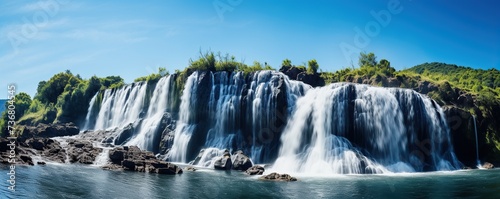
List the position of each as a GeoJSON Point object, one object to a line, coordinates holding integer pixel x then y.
{"type": "Point", "coordinates": [22, 104]}
{"type": "Point", "coordinates": [207, 61]}
{"type": "Point", "coordinates": [367, 60]}
{"type": "Point", "coordinates": [53, 88]}
{"type": "Point", "coordinates": [286, 63]}
{"type": "Point", "coordinates": [385, 67]}
{"type": "Point", "coordinates": [312, 66]}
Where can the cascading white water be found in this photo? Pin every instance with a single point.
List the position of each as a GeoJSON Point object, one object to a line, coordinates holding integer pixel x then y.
{"type": "Point", "coordinates": [210, 155]}
{"type": "Point", "coordinates": [238, 104]}
{"type": "Point", "coordinates": [319, 136]}
{"type": "Point", "coordinates": [225, 107]}
{"type": "Point", "coordinates": [158, 105]}
{"type": "Point", "coordinates": [103, 158]}
{"type": "Point", "coordinates": [339, 128]}
{"type": "Point", "coordinates": [121, 107]}
{"type": "Point", "coordinates": [184, 128]}
{"type": "Point", "coordinates": [88, 122]}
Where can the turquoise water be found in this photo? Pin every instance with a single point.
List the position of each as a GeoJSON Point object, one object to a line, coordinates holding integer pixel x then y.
{"type": "Point", "coordinates": [74, 181]}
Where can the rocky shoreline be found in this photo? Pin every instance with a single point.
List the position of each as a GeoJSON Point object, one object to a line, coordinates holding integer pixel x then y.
{"type": "Point", "coordinates": [62, 143]}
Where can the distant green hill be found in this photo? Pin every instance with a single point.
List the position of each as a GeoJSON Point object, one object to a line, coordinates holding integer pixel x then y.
{"type": "Point", "coordinates": [466, 78]}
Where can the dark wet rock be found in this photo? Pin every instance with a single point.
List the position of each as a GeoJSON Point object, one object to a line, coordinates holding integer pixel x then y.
{"type": "Point", "coordinates": [312, 79]}
{"type": "Point", "coordinates": [223, 162]}
{"type": "Point", "coordinates": [113, 167]}
{"type": "Point", "coordinates": [462, 131]}
{"type": "Point", "coordinates": [255, 170]}
{"type": "Point", "coordinates": [393, 82]}
{"type": "Point", "coordinates": [41, 163]}
{"type": "Point", "coordinates": [117, 155]}
{"type": "Point", "coordinates": [133, 159]}
{"type": "Point", "coordinates": [168, 168]}
{"type": "Point", "coordinates": [26, 159]}
{"type": "Point", "coordinates": [291, 72]}
{"type": "Point", "coordinates": [425, 87]}
{"type": "Point", "coordinates": [4, 144]}
{"type": "Point", "coordinates": [47, 148]}
{"type": "Point", "coordinates": [466, 100]}
{"type": "Point", "coordinates": [102, 136]}
{"type": "Point", "coordinates": [125, 134]}
{"type": "Point", "coordinates": [82, 151]}
{"type": "Point", "coordinates": [49, 130]}
{"type": "Point", "coordinates": [241, 161]}
{"type": "Point", "coordinates": [278, 177]}
{"type": "Point", "coordinates": [167, 139]}
{"type": "Point", "coordinates": [37, 143]}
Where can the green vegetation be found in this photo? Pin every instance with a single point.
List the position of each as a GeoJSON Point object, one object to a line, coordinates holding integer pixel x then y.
{"type": "Point", "coordinates": [466, 78]}
{"type": "Point", "coordinates": [64, 97]}
{"type": "Point", "coordinates": [210, 61]}
{"type": "Point", "coordinates": [369, 68]}
{"type": "Point", "coordinates": [162, 72]}
{"type": "Point", "coordinates": [484, 85]}
{"type": "Point", "coordinates": [312, 66]}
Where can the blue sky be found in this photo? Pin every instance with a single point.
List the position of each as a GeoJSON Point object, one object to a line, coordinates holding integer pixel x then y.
{"type": "Point", "coordinates": [132, 39]}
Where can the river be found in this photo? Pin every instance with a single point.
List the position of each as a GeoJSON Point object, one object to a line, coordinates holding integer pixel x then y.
{"type": "Point", "coordinates": [75, 181]}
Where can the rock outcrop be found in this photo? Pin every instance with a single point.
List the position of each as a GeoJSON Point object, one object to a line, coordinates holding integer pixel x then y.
{"type": "Point", "coordinates": [255, 170]}
{"type": "Point", "coordinates": [241, 161]}
{"type": "Point", "coordinates": [82, 151]}
{"type": "Point", "coordinates": [47, 148]}
{"type": "Point", "coordinates": [278, 177]}
{"type": "Point", "coordinates": [133, 159]}
{"type": "Point", "coordinates": [223, 162]}
{"type": "Point", "coordinates": [13, 152]}
{"type": "Point", "coordinates": [49, 130]}
{"type": "Point", "coordinates": [75, 151]}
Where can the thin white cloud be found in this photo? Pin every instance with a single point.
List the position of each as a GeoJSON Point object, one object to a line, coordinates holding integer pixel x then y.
{"type": "Point", "coordinates": [62, 63]}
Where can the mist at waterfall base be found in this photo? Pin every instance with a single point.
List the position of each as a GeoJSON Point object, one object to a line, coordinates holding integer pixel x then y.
{"type": "Point", "coordinates": [74, 181]}
{"type": "Point", "coordinates": [340, 128]}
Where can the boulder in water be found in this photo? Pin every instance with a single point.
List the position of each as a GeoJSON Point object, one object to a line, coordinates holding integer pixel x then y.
{"type": "Point", "coordinates": [168, 168]}
{"type": "Point", "coordinates": [241, 161]}
{"type": "Point", "coordinates": [125, 134]}
{"type": "Point", "coordinates": [82, 151]}
{"type": "Point", "coordinates": [223, 162]}
{"type": "Point", "coordinates": [278, 177]}
{"type": "Point", "coordinates": [255, 170]}
{"type": "Point", "coordinates": [134, 159]}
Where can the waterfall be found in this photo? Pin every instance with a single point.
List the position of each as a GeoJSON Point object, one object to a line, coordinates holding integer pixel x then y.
{"type": "Point", "coordinates": [158, 106]}
{"type": "Point", "coordinates": [103, 158]}
{"type": "Point", "coordinates": [183, 130]}
{"type": "Point", "coordinates": [340, 128]}
{"type": "Point", "coordinates": [349, 129]}
{"type": "Point", "coordinates": [121, 107]}
{"type": "Point", "coordinates": [477, 148]}
{"type": "Point", "coordinates": [240, 113]}
{"type": "Point", "coordinates": [133, 114]}
{"type": "Point", "coordinates": [88, 119]}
